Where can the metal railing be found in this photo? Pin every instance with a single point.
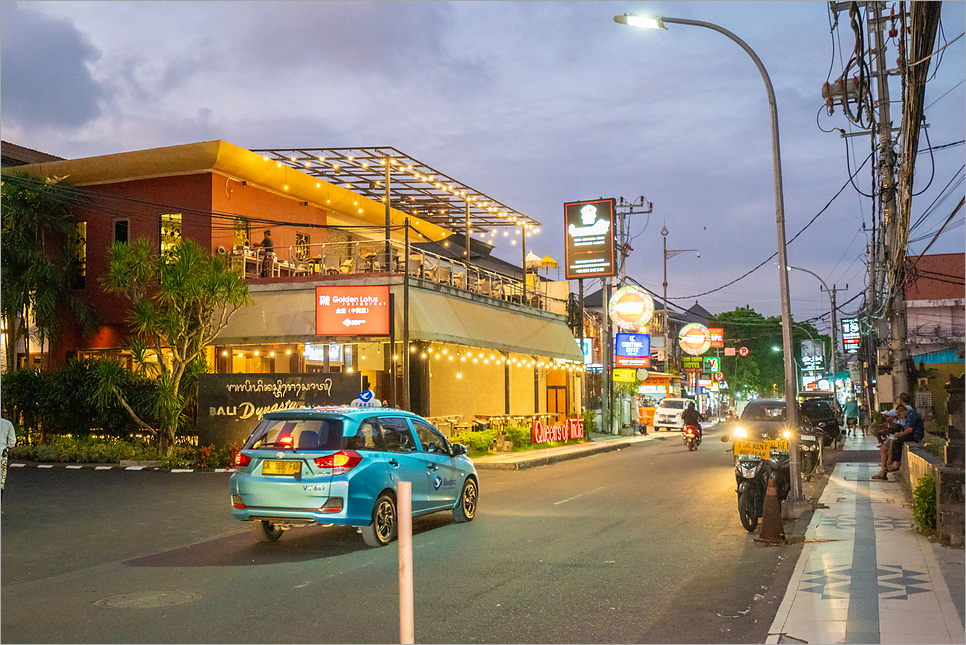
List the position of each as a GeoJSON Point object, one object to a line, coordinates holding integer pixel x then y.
{"type": "Point", "coordinates": [369, 256]}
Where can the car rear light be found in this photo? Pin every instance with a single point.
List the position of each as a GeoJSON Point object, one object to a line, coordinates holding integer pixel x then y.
{"type": "Point", "coordinates": [333, 505]}
{"type": "Point", "coordinates": [340, 462]}
{"type": "Point", "coordinates": [236, 501]}
{"type": "Point", "coordinates": [242, 460]}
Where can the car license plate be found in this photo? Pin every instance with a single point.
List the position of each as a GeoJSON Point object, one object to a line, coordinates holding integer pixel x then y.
{"type": "Point", "coordinates": [281, 467]}
{"type": "Point", "coordinates": [808, 437]}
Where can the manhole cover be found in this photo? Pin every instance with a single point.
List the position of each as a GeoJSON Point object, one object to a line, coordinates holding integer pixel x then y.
{"type": "Point", "coordinates": [148, 599]}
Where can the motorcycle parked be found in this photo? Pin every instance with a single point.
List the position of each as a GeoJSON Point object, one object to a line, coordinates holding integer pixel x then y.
{"type": "Point", "coordinates": [752, 474]}
{"type": "Point", "coordinates": [692, 437]}
{"type": "Point", "coordinates": [810, 443]}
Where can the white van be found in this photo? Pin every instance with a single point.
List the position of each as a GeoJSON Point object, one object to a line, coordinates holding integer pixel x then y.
{"type": "Point", "coordinates": [668, 414]}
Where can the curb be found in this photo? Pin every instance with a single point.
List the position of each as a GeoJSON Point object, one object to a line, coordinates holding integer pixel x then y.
{"type": "Point", "coordinates": [63, 466]}
{"type": "Point", "coordinates": [551, 459]}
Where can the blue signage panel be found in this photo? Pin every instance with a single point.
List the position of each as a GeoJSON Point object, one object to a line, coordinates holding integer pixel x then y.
{"type": "Point", "coordinates": [633, 350]}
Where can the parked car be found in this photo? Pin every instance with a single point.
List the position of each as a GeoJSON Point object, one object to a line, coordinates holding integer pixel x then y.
{"type": "Point", "coordinates": [821, 410]}
{"type": "Point", "coordinates": [343, 465]}
{"type": "Point", "coordinates": [667, 416]}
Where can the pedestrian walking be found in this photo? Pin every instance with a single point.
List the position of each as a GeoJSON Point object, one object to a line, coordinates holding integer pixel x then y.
{"type": "Point", "coordinates": [851, 415]}
{"type": "Point", "coordinates": [8, 440]}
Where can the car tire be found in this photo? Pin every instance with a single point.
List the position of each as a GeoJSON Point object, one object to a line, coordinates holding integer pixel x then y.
{"type": "Point", "coordinates": [465, 509]}
{"type": "Point", "coordinates": [384, 525]}
{"type": "Point", "coordinates": [264, 531]}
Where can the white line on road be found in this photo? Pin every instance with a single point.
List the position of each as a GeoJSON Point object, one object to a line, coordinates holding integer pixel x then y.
{"type": "Point", "coordinates": [563, 501]}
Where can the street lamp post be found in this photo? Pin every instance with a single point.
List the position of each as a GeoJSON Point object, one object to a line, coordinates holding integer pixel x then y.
{"type": "Point", "coordinates": [831, 321]}
{"type": "Point", "coordinates": [655, 22]}
{"type": "Point", "coordinates": [669, 254]}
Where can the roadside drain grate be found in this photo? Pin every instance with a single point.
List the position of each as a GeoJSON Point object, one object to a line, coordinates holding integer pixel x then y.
{"type": "Point", "coordinates": [148, 599]}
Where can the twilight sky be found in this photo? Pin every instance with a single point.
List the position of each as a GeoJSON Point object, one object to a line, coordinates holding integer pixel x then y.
{"type": "Point", "coordinates": [533, 103]}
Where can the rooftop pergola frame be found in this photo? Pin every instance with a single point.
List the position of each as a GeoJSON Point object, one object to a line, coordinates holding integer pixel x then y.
{"type": "Point", "coordinates": [414, 187]}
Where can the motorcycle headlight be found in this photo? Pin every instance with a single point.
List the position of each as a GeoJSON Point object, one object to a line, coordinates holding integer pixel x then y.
{"type": "Point", "coordinates": [748, 472]}
{"type": "Point", "coordinates": [787, 434]}
{"type": "Point", "coordinates": [741, 432]}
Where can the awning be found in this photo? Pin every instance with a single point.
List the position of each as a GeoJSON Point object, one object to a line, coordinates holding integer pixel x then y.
{"type": "Point", "coordinates": [285, 313]}
{"type": "Point", "coordinates": [469, 321]}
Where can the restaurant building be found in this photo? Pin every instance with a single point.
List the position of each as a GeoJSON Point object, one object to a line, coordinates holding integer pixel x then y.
{"type": "Point", "coordinates": [461, 342]}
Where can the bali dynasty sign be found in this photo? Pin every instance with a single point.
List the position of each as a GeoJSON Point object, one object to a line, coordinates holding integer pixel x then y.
{"type": "Point", "coordinates": [569, 429]}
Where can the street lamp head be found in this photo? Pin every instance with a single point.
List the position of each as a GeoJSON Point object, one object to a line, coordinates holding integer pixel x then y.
{"type": "Point", "coordinates": [647, 22]}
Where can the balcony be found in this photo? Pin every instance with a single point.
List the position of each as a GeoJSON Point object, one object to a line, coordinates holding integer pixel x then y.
{"type": "Point", "coordinates": [360, 258]}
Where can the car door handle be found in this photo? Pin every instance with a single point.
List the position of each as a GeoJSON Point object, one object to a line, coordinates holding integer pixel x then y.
{"type": "Point", "coordinates": [432, 467]}
{"type": "Point", "coordinates": [394, 463]}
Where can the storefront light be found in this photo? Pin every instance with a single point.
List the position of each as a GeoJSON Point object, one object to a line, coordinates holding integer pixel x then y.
{"type": "Point", "coordinates": [423, 355]}
{"type": "Point", "coordinates": [287, 352]}
{"type": "Point", "coordinates": [224, 352]}
{"type": "Point", "coordinates": [458, 375]}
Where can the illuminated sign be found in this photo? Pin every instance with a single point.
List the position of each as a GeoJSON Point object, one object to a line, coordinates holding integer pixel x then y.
{"type": "Point", "coordinates": [851, 336]}
{"type": "Point", "coordinates": [570, 429]}
{"type": "Point", "coordinates": [717, 336]}
{"type": "Point", "coordinates": [589, 244]}
{"type": "Point", "coordinates": [631, 308]}
{"type": "Point", "coordinates": [691, 363]}
{"type": "Point", "coordinates": [633, 350]}
{"type": "Point", "coordinates": [694, 339]}
{"type": "Point", "coordinates": [712, 364]}
{"type": "Point", "coordinates": [352, 311]}
{"type": "Point", "coordinates": [813, 355]}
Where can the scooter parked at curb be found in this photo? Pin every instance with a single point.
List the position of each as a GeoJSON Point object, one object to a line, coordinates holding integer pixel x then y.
{"type": "Point", "coordinates": [810, 451]}
{"type": "Point", "coordinates": [752, 473]}
{"type": "Point", "coordinates": [692, 437]}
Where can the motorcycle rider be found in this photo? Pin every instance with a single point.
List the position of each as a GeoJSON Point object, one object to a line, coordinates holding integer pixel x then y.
{"type": "Point", "coordinates": [692, 417]}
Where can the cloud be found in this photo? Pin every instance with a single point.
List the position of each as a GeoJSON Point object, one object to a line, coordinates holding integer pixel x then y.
{"type": "Point", "coordinates": [46, 81]}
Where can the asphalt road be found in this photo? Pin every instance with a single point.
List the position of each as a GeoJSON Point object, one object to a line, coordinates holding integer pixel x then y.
{"type": "Point", "coordinates": [638, 545]}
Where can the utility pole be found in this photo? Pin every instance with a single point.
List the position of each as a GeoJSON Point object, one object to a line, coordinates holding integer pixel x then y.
{"type": "Point", "coordinates": [895, 259]}
{"type": "Point", "coordinates": [833, 321]}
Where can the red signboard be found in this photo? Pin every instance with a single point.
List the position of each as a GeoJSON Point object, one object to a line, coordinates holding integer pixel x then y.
{"type": "Point", "coordinates": [352, 311]}
{"type": "Point", "coordinates": [570, 429]}
{"type": "Point", "coordinates": [717, 336]}
{"type": "Point", "coordinates": [632, 361]}
{"type": "Point", "coordinates": [744, 351]}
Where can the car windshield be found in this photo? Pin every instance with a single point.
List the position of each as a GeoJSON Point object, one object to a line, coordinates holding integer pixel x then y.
{"type": "Point", "coordinates": [673, 405]}
{"type": "Point", "coordinates": [764, 412]}
{"type": "Point", "coordinates": [297, 434]}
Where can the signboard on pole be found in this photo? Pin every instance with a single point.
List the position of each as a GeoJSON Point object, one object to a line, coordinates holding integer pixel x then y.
{"type": "Point", "coordinates": [694, 339]}
{"type": "Point", "coordinates": [717, 336]}
{"type": "Point", "coordinates": [589, 243]}
{"type": "Point", "coordinates": [851, 336]}
{"type": "Point", "coordinates": [631, 308]}
{"type": "Point", "coordinates": [633, 350]}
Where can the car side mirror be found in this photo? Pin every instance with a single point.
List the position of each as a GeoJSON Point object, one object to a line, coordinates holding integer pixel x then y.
{"type": "Point", "coordinates": [458, 449]}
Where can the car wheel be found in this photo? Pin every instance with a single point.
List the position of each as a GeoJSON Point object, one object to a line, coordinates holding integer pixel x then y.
{"type": "Point", "coordinates": [265, 531]}
{"type": "Point", "coordinates": [382, 531]}
{"type": "Point", "coordinates": [465, 510]}
{"type": "Point", "coordinates": [747, 510]}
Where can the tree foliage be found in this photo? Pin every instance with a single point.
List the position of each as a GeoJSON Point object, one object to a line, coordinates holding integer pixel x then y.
{"type": "Point", "coordinates": [41, 264]}
{"type": "Point", "coordinates": [180, 302]}
{"type": "Point", "coordinates": [762, 372]}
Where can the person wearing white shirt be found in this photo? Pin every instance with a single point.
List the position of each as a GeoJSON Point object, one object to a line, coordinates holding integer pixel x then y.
{"type": "Point", "coordinates": [7, 441]}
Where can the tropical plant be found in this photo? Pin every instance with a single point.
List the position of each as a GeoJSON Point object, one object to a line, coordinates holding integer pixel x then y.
{"type": "Point", "coordinates": [924, 504]}
{"type": "Point", "coordinates": [41, 265]}
{"type": "Point", "coordinates": [180, 302]}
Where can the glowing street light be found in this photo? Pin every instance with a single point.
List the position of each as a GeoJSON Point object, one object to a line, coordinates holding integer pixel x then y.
{"type": "Point", "coordinates": [658, 22]}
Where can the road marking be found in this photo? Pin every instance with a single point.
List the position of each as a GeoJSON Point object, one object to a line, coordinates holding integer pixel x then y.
{"type": "Point", "coordinates": [102, 467]}
{"type": "Point", "coordinates": [133, 467]}
{"type": "Point", "coordinates": [564, 501]}
{"type": "Point", "coordinates": [45, 466]}
{"type": "Point", "coordinates": [73, 467]}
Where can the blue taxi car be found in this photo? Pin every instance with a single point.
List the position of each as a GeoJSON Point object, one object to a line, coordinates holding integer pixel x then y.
{"type": "Point", "coordinates": [342, 465]}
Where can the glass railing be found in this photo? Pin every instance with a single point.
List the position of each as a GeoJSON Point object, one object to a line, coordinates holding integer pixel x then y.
{"type": "Point", "coordinates": [369, 256]}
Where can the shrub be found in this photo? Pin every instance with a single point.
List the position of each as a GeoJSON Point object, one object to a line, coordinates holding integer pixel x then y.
{"type": "Point", "coordinates": [934, 445]}
{"type": "Point", "coordinates": [924, 504]}
{"type": "Point", "coordinates": [590, 422]}
{"type": "Point", "coordinates": [477, 442]}
{"type": "Point", "coordinates": [520, 437]}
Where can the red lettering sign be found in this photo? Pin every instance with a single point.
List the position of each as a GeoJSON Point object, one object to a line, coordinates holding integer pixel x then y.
{"type": "Point", "coordinates": [352, 311]}
{"type": "Point", "coordinates": [571, 429]}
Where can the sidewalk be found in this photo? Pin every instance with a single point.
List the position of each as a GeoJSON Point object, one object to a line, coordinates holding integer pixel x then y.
{"type": "Point", "coordinates": [599, 443]}
{"type": "Point", "coordinates": [864, 575]}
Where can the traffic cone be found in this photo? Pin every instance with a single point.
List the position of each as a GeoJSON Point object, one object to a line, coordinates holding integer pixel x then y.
{"type": "Point", "coordinates": [772, 527]}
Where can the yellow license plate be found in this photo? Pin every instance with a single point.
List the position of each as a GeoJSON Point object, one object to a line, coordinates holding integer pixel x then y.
{"type": "Point", "coordinates": [281, 467]}
{"type": "Point", "coordinates": [781, 445]}
{"type": "Point", "coordinates": [760, 448]}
